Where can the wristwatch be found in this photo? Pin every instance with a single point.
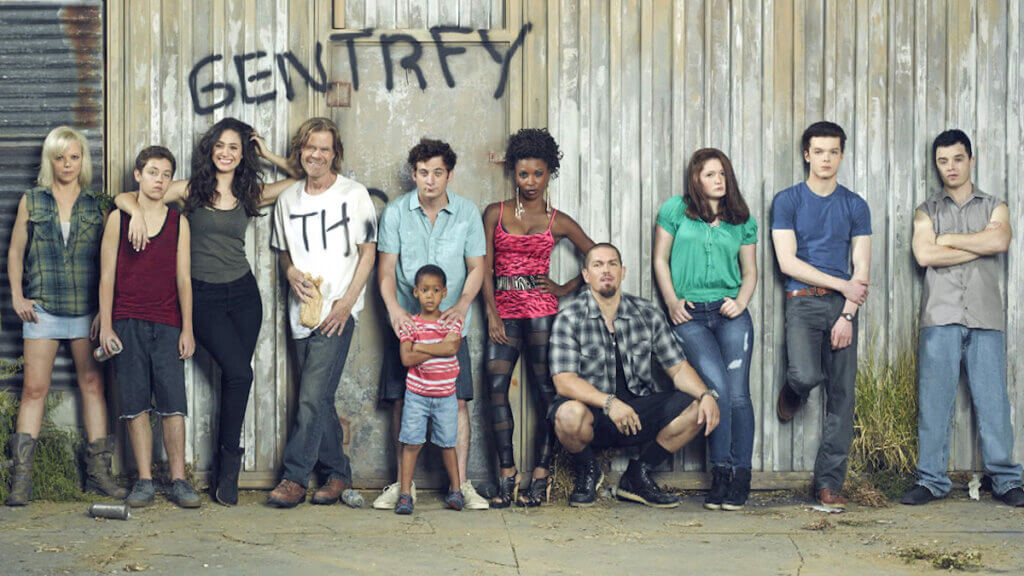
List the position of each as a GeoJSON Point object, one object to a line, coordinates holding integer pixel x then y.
{"type": "Point", "coordinates": [708, 392]}
{"type": "Point", "coordinates": [848, 316]}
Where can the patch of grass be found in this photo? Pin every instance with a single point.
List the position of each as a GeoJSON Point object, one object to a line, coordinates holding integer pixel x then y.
{"type": "Point", "coordinates": [563, 471]}
{"type": "Point", "coordinates": [884, 450]}
{"type": "Point", "coordinates": [945, 560]}
{"type": "Point", "coordinates": [55, 472]}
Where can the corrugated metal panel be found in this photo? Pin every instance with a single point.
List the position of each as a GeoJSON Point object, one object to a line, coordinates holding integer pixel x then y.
{"type": "Point", "coordinates": [636, 87]}
{"type": "Point", "coordinates": [51, 73]}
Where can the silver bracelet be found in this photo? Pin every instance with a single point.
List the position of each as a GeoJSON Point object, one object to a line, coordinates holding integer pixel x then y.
{"type": "Point", "coordinates": [608, 404]}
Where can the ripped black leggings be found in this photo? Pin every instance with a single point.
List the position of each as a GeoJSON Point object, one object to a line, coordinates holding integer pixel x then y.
{"type": "Point", "coordinates": [501, 358]}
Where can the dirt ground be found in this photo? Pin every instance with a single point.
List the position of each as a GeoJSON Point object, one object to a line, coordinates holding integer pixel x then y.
{"type": "Point", "coordinates": [776, 534]}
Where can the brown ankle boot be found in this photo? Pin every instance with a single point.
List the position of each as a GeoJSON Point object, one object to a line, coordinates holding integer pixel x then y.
{"type": "Point", "coordinates": [330, 492]}
{"type": "Point", "coordinates": [23, 449]}
{"type": "Point", "coordinates": [288, 494]}
{"type": "Point", "coordinates": [97, 469]}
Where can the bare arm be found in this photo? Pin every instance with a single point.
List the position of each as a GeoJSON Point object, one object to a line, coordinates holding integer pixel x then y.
{"type": "Point", "coordinates": [474, 278]}
{"type": "Point", "coordinates": [495, 327]}
{"type": "Point", "coordinates": [676, 306]}
{"type": "Point", "coordinates": [565, 227]}
{"type": "Point", "coordinates": [411, 357]}
{"type": "Point", "coordinates": [929, 254]}
{"type": "Point", "coordinates": [444, 349]}
{"type": "Point", "coordinates": [733, 307]}
{"type": "Point", "coordinates": [108, 274]}
{"type": "Point", "coordinates": [389, 290]}
{"type": "Point", "coordinates": [296, 278]}
{"type": "Point", "coordinates": [270, 192]}
{"type": "Point", "coordinates": [685, 379]}
{"type": "Point", "coordinates": [571, 386]}
{"type": "Point", "coordinates": [785, 253]}
{"type": "Point", "coordinates": [16, 265]}
{"type": "Point", "coordinates": [994, 239]}
{"type": "Point", "coordinates": [128, 202]}
{"type": "Point", "coordinates": [183, 279]}
{"type": "Point", "coordinates": [860, 247]}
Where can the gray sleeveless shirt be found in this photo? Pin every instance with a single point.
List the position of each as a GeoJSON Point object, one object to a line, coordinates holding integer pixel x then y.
{"type": "Point", "coordinates": [218, 244]}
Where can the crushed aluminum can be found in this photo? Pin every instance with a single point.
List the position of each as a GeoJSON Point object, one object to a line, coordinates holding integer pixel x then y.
{"type": "Point", "coordinates": [118, 511]}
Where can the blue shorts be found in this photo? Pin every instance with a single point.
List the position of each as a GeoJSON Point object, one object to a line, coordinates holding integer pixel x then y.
{"type": "Point", "coordinates": [150, 375]}
{"type": "Point", "coordinates": [53, 327]}
{"type": "Point", "coordinates": [443, 414]}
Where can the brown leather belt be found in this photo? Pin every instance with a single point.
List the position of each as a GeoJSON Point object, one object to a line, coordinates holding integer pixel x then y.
{"type": "Point", "coordinates": [810, 291]}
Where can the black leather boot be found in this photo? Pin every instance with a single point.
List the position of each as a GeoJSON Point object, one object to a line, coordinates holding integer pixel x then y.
{"type": "Point", "coordinates": [720, 476]}
{"type": "Point", "coordinates": [637, 485]}
{"type": "Point", "coordinates": [588, 480]}
{"type": "Point", "coordinates": [230, 464]}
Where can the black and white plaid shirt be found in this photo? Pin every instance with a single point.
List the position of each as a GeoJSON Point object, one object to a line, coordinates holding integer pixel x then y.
{"type": "Point", "coordinates": [580, 343]}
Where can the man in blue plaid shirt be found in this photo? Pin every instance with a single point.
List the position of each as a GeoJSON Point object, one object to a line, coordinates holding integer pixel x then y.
{"type": "Point", "coordinates": [601, 351]}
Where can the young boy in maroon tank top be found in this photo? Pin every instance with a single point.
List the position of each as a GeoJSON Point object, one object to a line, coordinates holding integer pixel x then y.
{"type": "Point", "coordinates": [146, 314]}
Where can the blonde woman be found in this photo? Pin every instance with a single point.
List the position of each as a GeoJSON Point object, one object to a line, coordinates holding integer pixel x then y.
{"type": "Point", "coordinates": [53, 269]}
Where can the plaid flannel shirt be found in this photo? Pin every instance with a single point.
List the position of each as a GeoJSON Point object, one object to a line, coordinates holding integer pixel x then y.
{"type": "Point", "coordinates": [63, 279]}
{"type": "Point", "coordinates": [580, 343]}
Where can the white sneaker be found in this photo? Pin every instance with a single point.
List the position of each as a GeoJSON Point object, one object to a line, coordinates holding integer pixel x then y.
{"type": "Point", "coordinates": [389, 497]}
{"type": "Point", "coordinates": [473, 500]}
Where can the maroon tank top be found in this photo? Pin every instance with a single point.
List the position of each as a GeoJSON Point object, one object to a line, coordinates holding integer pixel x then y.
{"type": "Point", "coordinates": [523, 255]}
{"type": "Point", "coordinates": [145, 287]}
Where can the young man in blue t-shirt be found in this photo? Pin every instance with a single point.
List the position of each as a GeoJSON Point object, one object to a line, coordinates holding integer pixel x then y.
{"type": "Point", "coordinates": [818, 226]}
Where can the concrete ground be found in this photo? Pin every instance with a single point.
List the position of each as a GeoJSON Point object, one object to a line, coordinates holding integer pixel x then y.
{"type": "Point", "coordinates": [776, 534]}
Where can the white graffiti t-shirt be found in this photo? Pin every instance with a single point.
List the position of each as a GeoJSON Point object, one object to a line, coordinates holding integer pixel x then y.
{"type": "Point", "coordinates": [321, 233]}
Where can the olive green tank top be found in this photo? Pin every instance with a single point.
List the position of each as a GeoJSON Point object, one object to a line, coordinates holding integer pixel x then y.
{"type": "Point", "coordinates": [218, 244]}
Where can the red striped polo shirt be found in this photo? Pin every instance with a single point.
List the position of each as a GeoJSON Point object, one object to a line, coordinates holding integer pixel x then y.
{"type": "Point", "coordinates": [434, 377]}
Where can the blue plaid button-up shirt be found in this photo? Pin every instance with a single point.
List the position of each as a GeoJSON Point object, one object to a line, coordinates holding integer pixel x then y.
{"type": "Point", "coordinates": [580, 343]}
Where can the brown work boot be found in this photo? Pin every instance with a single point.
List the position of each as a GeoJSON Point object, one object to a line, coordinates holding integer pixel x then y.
{"type": "Point", "coordinates": [288, 494]}
{"type": "Point", "coordinates": [97, 469]}
{"type": "Point", "coordinates": [788, 404]}
{"type": "Point", "coordinates": [831, 499]}
{"type": "Point", "coordinates": [330, 493]}
{"type": "Point", "coordinates": [23, 448]}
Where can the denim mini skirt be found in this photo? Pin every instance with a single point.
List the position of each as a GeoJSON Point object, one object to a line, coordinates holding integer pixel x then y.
{"type": "Point", "coordinates": [53, 327]}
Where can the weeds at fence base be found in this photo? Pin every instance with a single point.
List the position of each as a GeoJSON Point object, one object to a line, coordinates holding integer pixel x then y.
{"type": "Point", "coordinates": [945, 560]}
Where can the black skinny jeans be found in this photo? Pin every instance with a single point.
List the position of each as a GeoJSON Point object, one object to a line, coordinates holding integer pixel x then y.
{"type": "Point", "coordinates": [501, 358]}
{"type": "Point", "coordinates": [227, 318]}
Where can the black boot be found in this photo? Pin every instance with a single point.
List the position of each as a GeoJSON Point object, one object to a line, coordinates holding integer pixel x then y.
{"type": "Point", "coordinates": [97, 469]}
{"type": "Point", "coordinates": [588, 480]}
{"type": "Point", "coordinates": [739, 489]}
{"type": "Point", "coordinates": [230, 464]}
{"type": "Point", "coordinates": [720, 476]}
{"type": "Point", "coordinates": [23, 449]}
{"type": "Point", "coordinates": [637, 485]}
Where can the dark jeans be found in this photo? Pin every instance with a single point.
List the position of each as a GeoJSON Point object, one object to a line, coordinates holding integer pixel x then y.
{"type": "Point", "coordinates": [812, 362]}
{"type": "Point", "coordinates": [227, 318]}
{"type": "Point", "coordinates": [317, 436]}
{"type": "Point", "coordinates": [719, 349]}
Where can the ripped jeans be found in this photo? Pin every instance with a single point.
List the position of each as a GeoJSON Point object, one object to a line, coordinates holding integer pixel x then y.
{"type": "Point", "coordinates": [719, 349]}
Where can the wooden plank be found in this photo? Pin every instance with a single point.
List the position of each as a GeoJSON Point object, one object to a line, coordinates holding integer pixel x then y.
{"type": "Point", "coordinates": [962, 54]}
{"type": "Point", "coordinates": [749, 171]}
{"type": "Point", "coordinates": [1014, 184]}
{"type": "Point", "coordinates": [448, 13]}
{"type": "Point", "coordinates": [355, 13]}
{"type": "Point", "coordinates": [417, 12]}
{"type": "Point", "coordinates": [716, 73]}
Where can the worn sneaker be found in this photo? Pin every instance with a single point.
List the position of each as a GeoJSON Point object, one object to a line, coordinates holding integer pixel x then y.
{"type": "Point", "coordinates": [184, 495]}
{"type": "Point", "coordinates": [474, 501]}
{"type": "Point", "coordinates": [141, 494]}
{"type": "Point", "coordinates": [637, 485]}
{"type": "Point", "coordinates": [720, 478]}
{"type": "Point", "coordinates": [1012, 497]}
{"type": "Point", "coordinates": [831, 499]}
{"type": "Point", "coordinates": [404, 505]}
{"type": "Point", "coordinates": [918, 495]}
{"type": "Point", "coordinates": [454, 500]}
{"type": "Point", "coordinates": [388, 499]}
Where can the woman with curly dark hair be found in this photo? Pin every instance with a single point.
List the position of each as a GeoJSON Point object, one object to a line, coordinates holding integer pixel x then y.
{"type": "Point", "coordinates": [225, 190]}
{"type": "Point", "coordinates": [522, 301]}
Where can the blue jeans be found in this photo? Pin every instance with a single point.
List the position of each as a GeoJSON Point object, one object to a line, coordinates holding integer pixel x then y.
{"type": "Point", "coordinates": [719, 349]}
{"type": "Point", "coordinates": [316, 436]}
{"type": "Point", "coordinates": [941, 352]}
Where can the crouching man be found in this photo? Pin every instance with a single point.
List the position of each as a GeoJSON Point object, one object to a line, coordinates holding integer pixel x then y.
{"type": "Point", "coordinates": [601, 350]}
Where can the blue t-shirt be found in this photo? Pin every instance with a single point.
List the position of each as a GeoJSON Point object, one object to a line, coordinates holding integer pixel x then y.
{"type": "Point", "coordinates": [823, 226]}
{"type": "Point", "coordinates": [457, 234]}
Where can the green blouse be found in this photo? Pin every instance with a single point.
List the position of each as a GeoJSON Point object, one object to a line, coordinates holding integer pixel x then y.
{"type": "Point", "coordinates": [704, 260]}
